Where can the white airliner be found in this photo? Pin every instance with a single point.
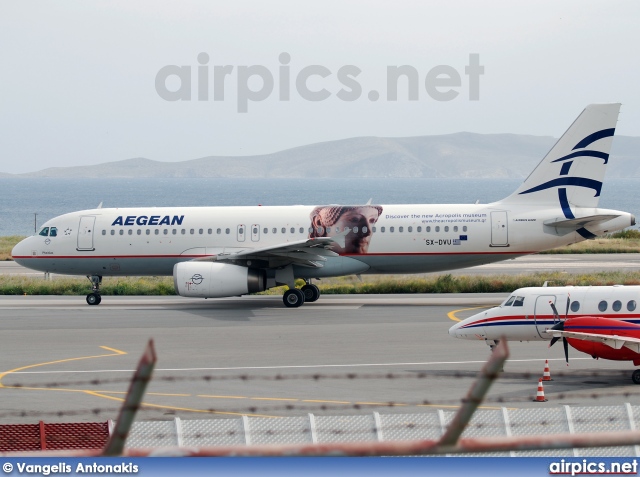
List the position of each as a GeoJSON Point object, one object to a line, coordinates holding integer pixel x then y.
{"type": "Point", "coordinates": [227, 251]}
{"type": "Point", "coordinates": [526, 314]}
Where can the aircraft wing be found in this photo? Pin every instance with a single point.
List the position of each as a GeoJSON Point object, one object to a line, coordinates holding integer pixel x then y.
{"type": "Point", "coordinates": [614, 341]}
{"type": "Point", "coordinates": [310, 253]}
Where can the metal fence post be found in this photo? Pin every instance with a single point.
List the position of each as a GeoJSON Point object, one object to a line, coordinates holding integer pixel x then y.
{"type": "Point", "coordinates": [312, 426]}
{"type": "Point", "coordinates": [178, 424]}
{"type": "Point", "coordinates": [378, 422]}
{"type": "Point", "coordinates": [632, 424]}
{"type": "Point", "coordinates": [567, 411]}
{"type": "Point", "coordinates": [245, 425]}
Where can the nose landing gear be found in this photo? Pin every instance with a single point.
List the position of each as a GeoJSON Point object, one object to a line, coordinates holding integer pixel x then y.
{"type": "Point", "coordinates": [94, 297]}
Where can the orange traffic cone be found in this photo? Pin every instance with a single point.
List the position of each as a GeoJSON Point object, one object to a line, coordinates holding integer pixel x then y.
{"type": "Point", "coordinates": [546, 376]}
{"type": "Point", "coordinates": [540, 394]}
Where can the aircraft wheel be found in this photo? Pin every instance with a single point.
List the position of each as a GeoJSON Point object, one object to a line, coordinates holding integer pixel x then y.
{"type": "Point", "coordinates": [93, 299]}
{"type": "Point", "coordinates": [636, 376]}
{"type": "Point", "coordinates": [293, 298]}
{"type": "Point", "coordinates": [311, 293]}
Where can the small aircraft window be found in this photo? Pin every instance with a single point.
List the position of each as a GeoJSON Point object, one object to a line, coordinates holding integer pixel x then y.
{"type": "Point", "coordinates": [201, 231]}
{"type": "Point", "coordinates": [192, 231]}
{"type": "Point", "coordinates": [165, 231]}
{"type": "Point", "coordinates": [209, 231]}
{"type": "Point", "coordinates": [464, 228]}
{"type": "Point", "coordinates": [355, 230]}
{"type": "Point", "coordinates": [602, 306]}
{"type": "Point", "coordinates": [328, 230]}
{"type": "Point", "coordinates": [44, 232]}
{"type": "Point", "coordinates": [104, 232]}
{"type": "Point", "coordinates": [382, 229]}
{"type": "Point", "coordinates": [113, 232]}
{"type": "Point", "coordinates": [157, 231]}
{"type": "Point", "coordinates": [310, 230]}
{"type": "Point", "coordinates": [218, 231]}
{"type": "Point", "coordinates": [148, 232]}
{"type": "Point", "coordinates": [400, 229]}
{"type": "Point", "coordinates": [437, 228]}
{"type": "Point", "coordinates": [446, 228]}
{"type": "Point", "coordinates": [53, 232]}
{"type": "Point", "coordinates": [183, 231]}
{"type": "Point", "coordinates": [391, 229]}
{"type": "Point", "coordinates": [409, 229]}
{"type": "Point", "coordinates": [139, 232]}
{"type": "Point", "coordinates": [241, 230]}
{"type": "Point", "coordinates": [275, 230]}
{"type": "Point", "coordinates": [265, 230]}
{"type": "Point", "coordinates": [121, 232]}
{"type": "Point", "coordinates": [130, 231]}
{"type": "Point", "coordinates": [509, 301]}
{"type": "Point", "coordinates": [631, 305]}
{"type": "Point", "coordinates": [175, 231]}
{"type": "Point", "coordinates": [292, 230]}
{"type": "Point", "coordinates": [427, 229]}
{"type": "Point", "coordinates": [301, 230]}
{"type": "Point", "coordinates": [617, 305]}
{"type": "Point", "coordinates": [575, 306]}
{"type": "Point", "coordinates": [519, 301]}
{"type": "Point", "coordinates": [373, 229]}
{"type": "Point", "coordinates": [455, 228]}
{"type": "Point", "coordinates": [419, 229]}
{"type": "Point", "coordinates": [320, 230]}
{"type": "Point", "coordinates": [364, 229]}
{"type": "Point", "coordinates": [227, 231]}
{"type": "Point", "coordinates": [255, 231]}
{"type": "Point", "coordinates": [284, 230]}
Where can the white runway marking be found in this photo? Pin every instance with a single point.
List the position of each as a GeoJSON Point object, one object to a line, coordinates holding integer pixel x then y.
{"type": "Point", "coordinates": [311, 366]}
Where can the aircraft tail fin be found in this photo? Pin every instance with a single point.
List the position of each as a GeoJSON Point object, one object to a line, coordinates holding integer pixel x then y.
{"type": "Point", "coordinates": [572, 172]}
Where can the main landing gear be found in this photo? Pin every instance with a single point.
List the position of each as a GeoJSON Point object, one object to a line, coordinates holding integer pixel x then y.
{"type": "Point", "coordinates": [94, 297]}
{"type": "Point", "coordinates": [294, 297]}
{"type": "Point", "coordinates": [635, 377]}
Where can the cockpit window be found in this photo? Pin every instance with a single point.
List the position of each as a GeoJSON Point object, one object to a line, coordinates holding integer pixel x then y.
{"type": "Point", "coordinates": [53, 232]}
{"type": "Point", "coordinates": [44, 232]}
{"type": "Point", "coordinates": [509, 300]}
{"type": "Point", "coordinates": [519, 301]}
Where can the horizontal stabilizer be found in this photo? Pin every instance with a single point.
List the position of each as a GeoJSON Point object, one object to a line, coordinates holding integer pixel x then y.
{"type": "Point", "coordinates": [574, 224]}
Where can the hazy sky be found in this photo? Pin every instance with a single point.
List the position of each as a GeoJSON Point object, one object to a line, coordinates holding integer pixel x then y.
{"type": "Point", "coordinates": [78, 78]}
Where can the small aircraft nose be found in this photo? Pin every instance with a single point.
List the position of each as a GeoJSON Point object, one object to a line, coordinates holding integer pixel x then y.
{"type": "Point", "coordinates": [454, 330]}
{"type": "Point", "coordinates": [21, 249]}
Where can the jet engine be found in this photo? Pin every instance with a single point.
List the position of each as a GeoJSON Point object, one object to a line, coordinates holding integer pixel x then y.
{"type": "Point", "coordinates": [216, 280]}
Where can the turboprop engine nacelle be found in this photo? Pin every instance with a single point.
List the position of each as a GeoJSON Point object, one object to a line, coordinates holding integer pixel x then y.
{"type": "Point", "coordinates": [216, 280]}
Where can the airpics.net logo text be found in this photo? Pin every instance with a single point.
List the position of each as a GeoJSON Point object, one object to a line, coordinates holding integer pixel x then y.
{"type": "Point", "coordinates": [254, 83]}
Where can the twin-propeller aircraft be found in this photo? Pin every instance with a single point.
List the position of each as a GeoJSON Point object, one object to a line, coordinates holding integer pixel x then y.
{"type": "Point", "coordinates": [227, 251]}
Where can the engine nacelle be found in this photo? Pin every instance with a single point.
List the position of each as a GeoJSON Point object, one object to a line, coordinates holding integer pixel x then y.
{"type": "Point", "coordinates": [216, 280]}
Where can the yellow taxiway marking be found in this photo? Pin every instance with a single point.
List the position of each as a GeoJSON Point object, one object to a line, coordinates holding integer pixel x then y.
{"type": "Point", "coordinates": [221, 397]}
{"type": "Point", "coordinates": [273, 399]}
{"type": "Point", "coordinates": [452, 314]}
{"type": "Point", "coordinates": [326, 402]}
{"type": "Point", "coordinates": [116, 352]}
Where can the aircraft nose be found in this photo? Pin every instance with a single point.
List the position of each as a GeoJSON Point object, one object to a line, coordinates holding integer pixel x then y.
{"type": "Point", "coordinates": [454, 330]}
{"type": "Point", "coordinates": [20, 250]}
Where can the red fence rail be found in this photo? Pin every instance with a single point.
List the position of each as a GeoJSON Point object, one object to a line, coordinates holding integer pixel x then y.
{"type": "Point", "coordinates": [54, 436]}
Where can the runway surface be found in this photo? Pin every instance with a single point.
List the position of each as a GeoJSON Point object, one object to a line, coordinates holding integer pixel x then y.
{"type": "Point", "coordinates": [250, 355]}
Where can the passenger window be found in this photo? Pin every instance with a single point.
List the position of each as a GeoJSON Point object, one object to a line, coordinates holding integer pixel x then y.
{"type": "Point", "coordinates": [121, 232]}
{"type": "Point", "coordinates": [130, 231]}
{"type": "Point", "coordinates": [192, 231]}
{"type": "Point", "coordinates": [183, 231]}
{"type": "Point", "coordinates": [148, 232]}
{"type": "Point", "coordinates": [284, 231]}
{"type": "Point", "coordinates": [139, 232]}
{"type": "Point", "coordinates": [437, 228]}
{"type": "Point", "coordinates": [301, 230]}
{"type": "Point", "coordinates": [427, 228]}
{"type": "Point", "coordinates": [519, 301]}
{"type": "Point", "coordinates": [274, 230]}
{"type": "Point", "coordinates": [227, 231]}
{"type": "Point", "coordinates": [382, 229]}
{"type": "Point", "coordinates": [293, 231]}
{"type": "Point", "coordinates": [44, 232]}
{"type": "Point", "coordinates": [218, 231]}
{"type": "Point", "coordinates": [53, 232]}
{"type": "Point", "coordinates": [575, 306]}
{"type": "Point", "coordinates": [265, 230]}
{"type": "Point", "coordinates": [104, 232]}
{"type": "Point", "coordinates": [320, 230]}
{"type": "Point", "coordinates": [165, 231]}
{"type": "Point", "coordinates": [631, 305]}
{"type": "Point", "coordinates": [400, 229]}
{"type": "Point", "coordinates": [209, 231]}
{"type": "Point", "coordinates": [617, 305]}
{"type": "Point", "coordinates": [409, 229]}
{"type": "Point", "coordinates": [355, 229]}
{"type": "Point", "coordinates": [419, 229]}
{"type": "Point", "coordinates": [464, 228]}
{"type": "Point", "coordinates": [446, 229]}
{"type": "Point", "coordinates": [201, 231]}
{"type": "Point", "coordinates": [373, 229]}
{"type": "Point", "coordinates": [328, 230]}
{"type": "Point", "coordinates": [113, 232]}
{"type": "Point", "coordinates": [175, 231]}
{"type": "Point", "coordinates": [391, 229]}
{"type": "Point", "coordinates": [602, 306]}
{"type": "Point", "coordinates": [455, 228]}
{"type": "Point", "coordinates": [156, 231]}
{"type": "Point", "coordinates": [241, 230]}
{"type": "Point", "coordinates": [509, 301]}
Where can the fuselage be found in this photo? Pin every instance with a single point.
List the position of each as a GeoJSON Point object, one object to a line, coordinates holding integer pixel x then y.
{"type": "Point", "coordinates": [399, 239]}
{"type": "Point", "coordinates": [526, 314]}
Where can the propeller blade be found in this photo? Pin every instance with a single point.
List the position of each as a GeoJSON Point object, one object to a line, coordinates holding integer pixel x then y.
{"type": "Point", "coordinates": [566, 313]}
{"type": "Point", "coordinates": [565, 343]}
{"type": "Point", "coordinates": [555, 311]}
{"type": "Point", "coordinates": [559, 327]}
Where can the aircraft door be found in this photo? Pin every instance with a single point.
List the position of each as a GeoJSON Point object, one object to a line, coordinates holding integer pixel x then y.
{"type": "Point", "coordinates": [499, 229]}
{"type": "Point", "coordinates": [543, 314]}
{"type": "Point", "coordinates": [241, 232]}
{"type": "Point", "coordinates": [255, 233]}
{"type": "Point", "coordinates": [85, 233]}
